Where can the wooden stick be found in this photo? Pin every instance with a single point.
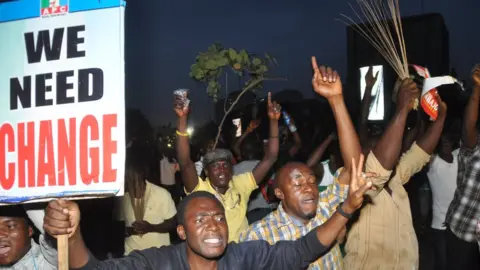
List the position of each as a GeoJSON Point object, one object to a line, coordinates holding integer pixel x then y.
{"type": "Point", "coordinates": [62, 248]}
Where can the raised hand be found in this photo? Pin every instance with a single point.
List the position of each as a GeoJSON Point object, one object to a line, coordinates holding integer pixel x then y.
{"type": "Point", "coordinates": [476, 75]}
{"type": "Point", "coordinates": [442, 106]}
{"type": "Point", "coordinates": [61, 217]}
{"type": "Point", "coordinates": [407, 94]}
{"type": "Point", "coordinates": [274, 109]}
{"type": "Point", "coordinates": [326, 82]}
{"type": "Point", "coordinates": [179, 106]}
{"type": "Point", "coordinates": [370, 80]}
{"type": "Point", "coordinates": [358, 186]}
{"type": "Point", "coordinates": [253, 125]}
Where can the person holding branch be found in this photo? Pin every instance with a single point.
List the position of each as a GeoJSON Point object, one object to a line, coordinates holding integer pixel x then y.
{"type": "Point", "coordinates": [232, 191]}
{"type": "Point", "coordinates": [203, 227]}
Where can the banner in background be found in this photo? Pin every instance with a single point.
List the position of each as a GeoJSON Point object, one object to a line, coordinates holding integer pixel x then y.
{"type": "Point", "coordinates": [62, 107]}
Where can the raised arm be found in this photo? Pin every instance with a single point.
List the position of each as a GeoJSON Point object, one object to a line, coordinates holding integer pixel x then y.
{"type": "Point", "coordinates": [389, 146]}
{"type": "Point", "coordinates": [370, 81]}
{"type": "Point", "coordinates": [326, 83]}
{"type": "Point", "coordinates": [187, 167]}
{"type": "Point", "coordinates": [430, 138]}
{"type": "Point", "coordinates": [319, 151]}
{"type": "Point", "coordinates": [236, 147]}
{"type": "Point", "coordinates": [469, 132]}
{"type": "Point", "coordinates": [264, 166]}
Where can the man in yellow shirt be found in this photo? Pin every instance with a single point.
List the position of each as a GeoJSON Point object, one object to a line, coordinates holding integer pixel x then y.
{"type": "Point", "coordinates": [232, 191]}
{"type": "Point", "coordinates": [148, 211]}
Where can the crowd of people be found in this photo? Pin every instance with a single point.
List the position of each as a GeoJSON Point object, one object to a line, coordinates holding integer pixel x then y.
{"type": "Point", "coordinates": [260, 206]}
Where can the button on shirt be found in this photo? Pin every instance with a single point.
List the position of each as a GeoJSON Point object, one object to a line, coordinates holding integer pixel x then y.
{"type": "Point", "coordinates": [278, 225]}
{"type": "Point", "coordinates": [464, 211]}
{"type": "Point", "coordinates": [235, 201]}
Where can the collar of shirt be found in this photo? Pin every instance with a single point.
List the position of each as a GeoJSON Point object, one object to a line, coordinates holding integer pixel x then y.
{"type": "Point", "coordinates": [29, 261]}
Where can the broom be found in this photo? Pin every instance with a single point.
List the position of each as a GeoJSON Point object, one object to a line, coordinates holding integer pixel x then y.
{"type": "Point", "coordinates": [378, 14]}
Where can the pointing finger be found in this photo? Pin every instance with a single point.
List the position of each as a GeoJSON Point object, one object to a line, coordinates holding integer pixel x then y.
{"type": "Point", "coordinates": [314, 64]}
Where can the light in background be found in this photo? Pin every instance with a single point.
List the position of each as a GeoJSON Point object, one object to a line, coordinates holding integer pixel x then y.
{"type": "Point", "coordinates": [238, 124]}
{"type": "Point", "coordinates": [377, 107]}
{"type": "Point", "coordinates": [190, 131]}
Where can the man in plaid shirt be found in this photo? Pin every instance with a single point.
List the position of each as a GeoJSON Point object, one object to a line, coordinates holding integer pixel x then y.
{"type": "Point", "coordinates": [464, 212]}
{"type": "Point", "coordinates": [302, 207]}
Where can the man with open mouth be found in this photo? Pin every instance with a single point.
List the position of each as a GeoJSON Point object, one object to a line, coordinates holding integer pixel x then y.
{"type": "Point", "coordinates": [203, 227]}
{"type": "Point", "coordinates": [17, 248]}
{"type": "Point", "coordinates": [302, 207]}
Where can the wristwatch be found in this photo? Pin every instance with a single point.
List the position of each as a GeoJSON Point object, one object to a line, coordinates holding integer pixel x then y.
{"type": "Point", "coordinates": [341, 212]}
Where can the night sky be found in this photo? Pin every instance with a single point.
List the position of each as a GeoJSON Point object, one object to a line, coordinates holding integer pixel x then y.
{"type": "Point", "coordinates": [163, 38]}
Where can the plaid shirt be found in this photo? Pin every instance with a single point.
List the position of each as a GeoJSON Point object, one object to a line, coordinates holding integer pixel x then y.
{"type": "Point", "coordinates": [278, 226]}
{"type": "Point", "coordinates": [464, 211]}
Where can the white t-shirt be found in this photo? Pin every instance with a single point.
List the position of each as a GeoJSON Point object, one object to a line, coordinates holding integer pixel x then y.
{"type": "Point", "coordinates": [167, 172]}
{"type": "Point", "coordinates": [443, 182]}
{"type": "Point", "coordinates": [328, 177]}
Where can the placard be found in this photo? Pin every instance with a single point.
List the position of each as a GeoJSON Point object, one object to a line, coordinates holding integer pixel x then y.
{"type": "Point", "coordinates": [62, 105]}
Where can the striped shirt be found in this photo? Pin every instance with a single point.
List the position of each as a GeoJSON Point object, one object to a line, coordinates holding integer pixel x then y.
{"type": "Point", "coordinates": [278, 225]}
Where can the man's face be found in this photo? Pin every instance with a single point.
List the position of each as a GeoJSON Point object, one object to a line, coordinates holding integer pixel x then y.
{"type": "Point", "coordinates": [205, 229]}
{"type": "Point", "coordinates": [14, 239]}
{"type": "Point", "coordinates": [220, 173]}
{"type": "Point", "coordinates": [446, 146]}
{"type": "Point", "coordinates": [298, 191]}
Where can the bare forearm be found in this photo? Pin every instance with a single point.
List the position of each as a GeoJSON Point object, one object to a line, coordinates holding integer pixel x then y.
{"type": "Point", "coordinates": [367, 100]}
{"type": "Point", "coordinates": [348, 138]}
{"type": "Point", "coordinates": [183, 145]}
{"type": "Point", "coordinates": [429, 140]}
{"type": "Point", "coordinates": [78, 254]}
{"type": "Point", "coordinates": [264, 166]}
{"type": "Point", "coordinates": [297, 144]}
{"type": "Point", "coordinates": [166, 226]}
{"type": "Point", "coordinates": [388, 148]}
{"type": "Point", "coordinates": [238, 143]}
{"type": "Point", "coordinates": [272, 151]}
{"type": "Point", "coordinates": [318, 153]}
{"type": "Point", "coordinates": [469, 136]}
{"type": "Point", "coordinates": [187, 168]}
{"type": "Point", "coordinates": [328, 232]}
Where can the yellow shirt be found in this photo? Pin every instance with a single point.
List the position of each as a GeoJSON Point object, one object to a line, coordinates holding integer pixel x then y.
{"type": "Point", "coordinates": [235, 201]}
{"type": "Point", "coordinates": [383, 237]}
{"type": "Point", "coordinates": [159, 207]}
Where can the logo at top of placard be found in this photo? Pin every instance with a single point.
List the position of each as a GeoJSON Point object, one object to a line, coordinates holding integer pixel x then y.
{"type": "Point", "coordinates": [49, 8]}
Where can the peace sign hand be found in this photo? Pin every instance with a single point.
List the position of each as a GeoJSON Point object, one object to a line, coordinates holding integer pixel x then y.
{"type": "Point", "coordinates": [274, 109]}
{"type": "Point", "coordinates": [359, 184]}
{"type": "Point", "coordinates": [326, 82]}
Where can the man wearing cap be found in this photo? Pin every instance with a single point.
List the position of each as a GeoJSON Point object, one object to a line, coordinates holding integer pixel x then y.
{"type": "Point", "coordinates": [17, 248]}
{"type": "Point", "coordinates": [232, 191]}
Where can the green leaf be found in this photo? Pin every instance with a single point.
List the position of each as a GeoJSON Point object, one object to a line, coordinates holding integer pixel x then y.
{"type": "Point", "coordinates": [223, 62]}
{"type": "Point", "coordinates": [244, 55]}
{"type": "Point", "coordinates": [210, 64]}
{"type": "Point", "coordinates": [256, 61]}
{"type": "Point", "coordinates": [232, 54]}
{"type": "Point", "coordinates": [262, 69]}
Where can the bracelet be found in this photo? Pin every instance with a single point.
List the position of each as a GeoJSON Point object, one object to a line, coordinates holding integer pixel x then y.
{"type": "Point", "coordinates": [341, 212]}
{"type": "Point", "coordinates": [183, 134]}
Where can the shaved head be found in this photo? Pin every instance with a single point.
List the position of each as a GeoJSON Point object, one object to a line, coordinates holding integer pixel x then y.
{"type": "Point", "coordinates": [283, 174]}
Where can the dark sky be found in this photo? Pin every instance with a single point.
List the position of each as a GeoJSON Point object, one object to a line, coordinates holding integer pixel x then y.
{"type": "Point", "coordinates": [163, 38]}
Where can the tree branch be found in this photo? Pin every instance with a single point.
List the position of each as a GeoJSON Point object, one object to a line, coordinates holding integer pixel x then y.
{"type": "Point", "coordinates": [250, 86]}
